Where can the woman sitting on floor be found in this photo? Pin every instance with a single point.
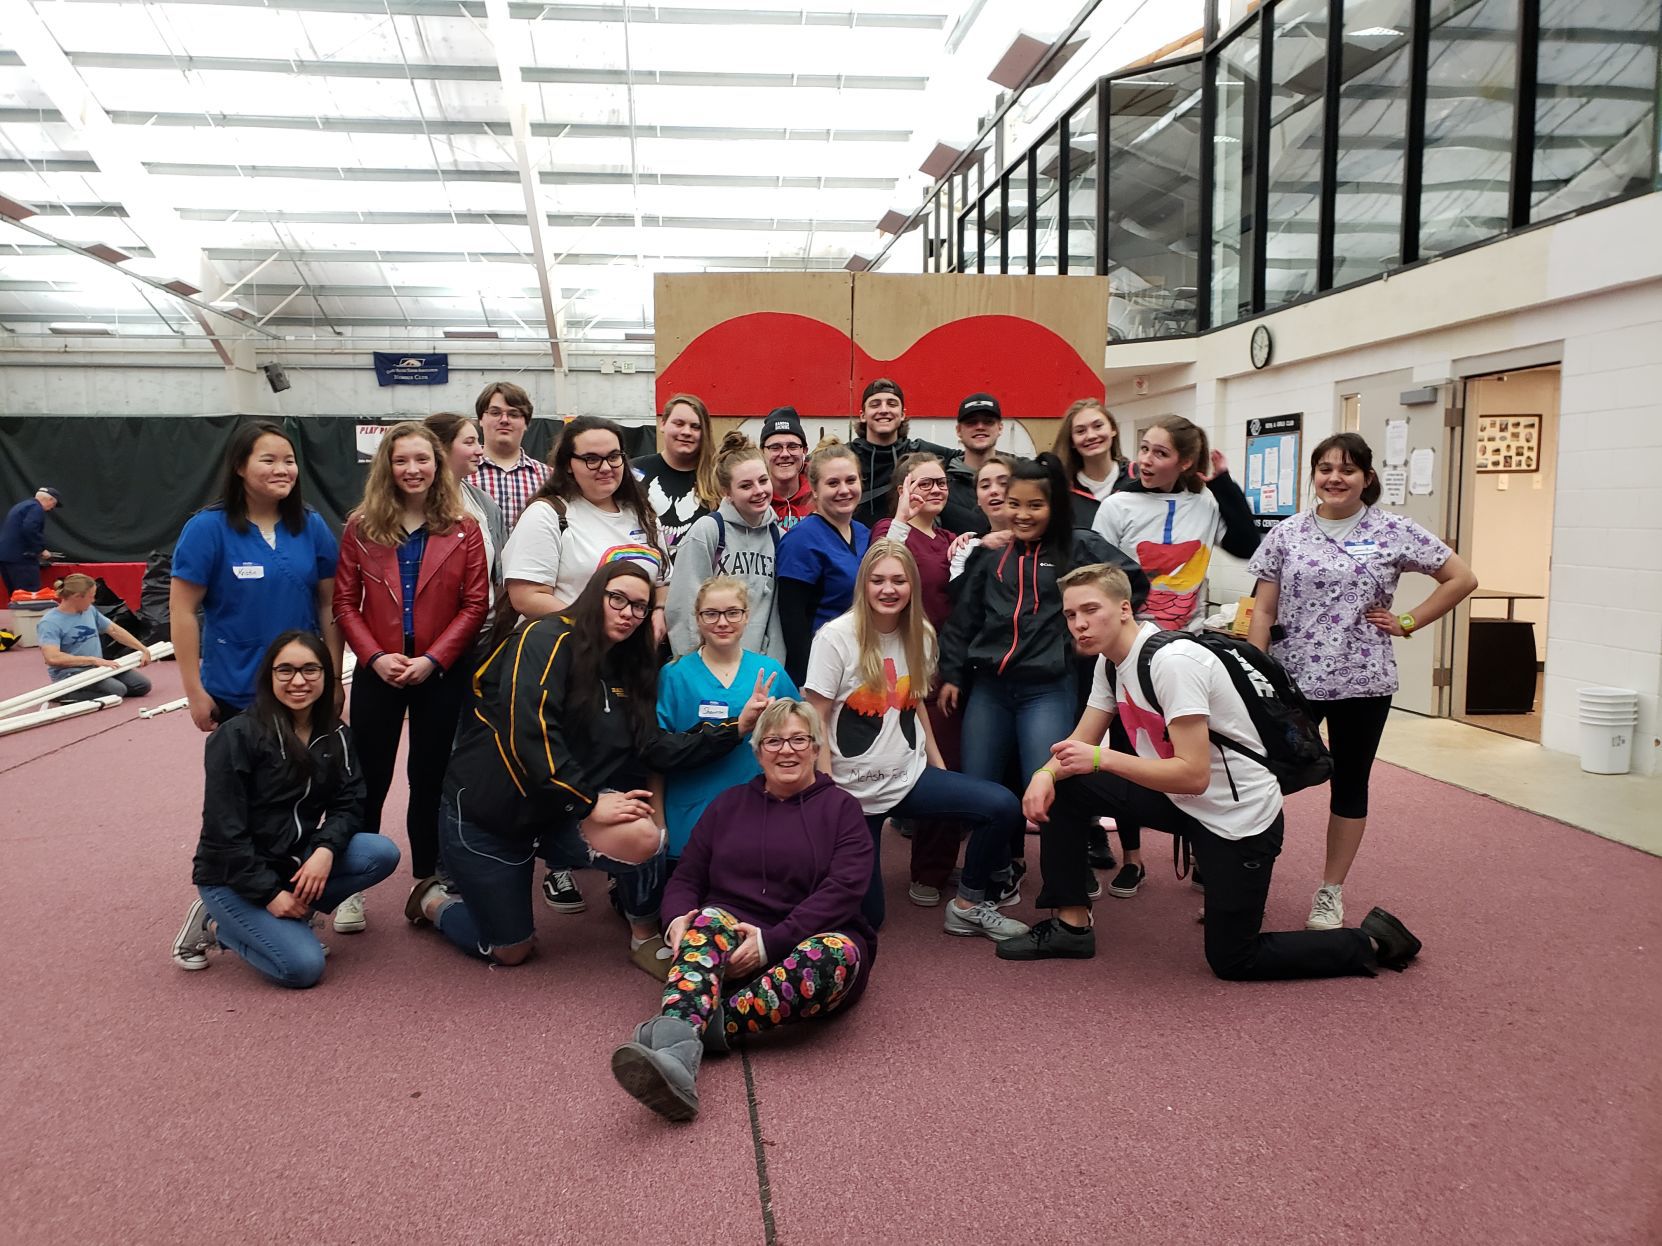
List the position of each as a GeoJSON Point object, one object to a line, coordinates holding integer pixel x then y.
{"type": "Point", "coordinates": [280, 839]}
{"type": "Point", "coordinates": [766, 922]}
{"type": "Point", "coordinates": [557, 747]}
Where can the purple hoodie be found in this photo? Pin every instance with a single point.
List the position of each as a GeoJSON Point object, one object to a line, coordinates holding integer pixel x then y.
{"type": "Point", "coordinates": [793, 868]}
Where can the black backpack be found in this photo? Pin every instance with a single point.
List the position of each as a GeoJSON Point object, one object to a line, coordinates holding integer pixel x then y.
{"type": "Point", "coordinates": [1293, 749]}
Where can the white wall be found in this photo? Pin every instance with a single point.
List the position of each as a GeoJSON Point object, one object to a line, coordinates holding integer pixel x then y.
{"type": "Point", "coordinates": [1586, 293]}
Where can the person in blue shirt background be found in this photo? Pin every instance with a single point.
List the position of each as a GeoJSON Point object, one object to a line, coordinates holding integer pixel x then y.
{"type": "Point", "coordinates": [259, 562]}
{"type": "Point", "coordinates": [711, 684]}
{"type": "Point", "coordinates": [71, 644]}
{"type": "Point", "coordinates": [818, 559]}
{"type": "Point", "coordinates": [23, 540]}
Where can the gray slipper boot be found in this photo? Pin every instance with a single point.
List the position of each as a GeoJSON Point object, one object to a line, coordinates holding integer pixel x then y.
{"type": "Point", "coordinates": [715, 1032]}
{"type": "Point", "coordinates": [660, 1067]}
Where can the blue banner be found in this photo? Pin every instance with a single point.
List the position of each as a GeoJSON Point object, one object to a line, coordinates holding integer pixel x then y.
{"type": "Point", "coordinates": [396, 369]}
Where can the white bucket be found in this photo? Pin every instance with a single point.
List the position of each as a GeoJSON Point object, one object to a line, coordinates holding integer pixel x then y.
{"type": "Point", "coordinates": [24, 623]}
{"type": "Point", "coordinates": [1608, 717]}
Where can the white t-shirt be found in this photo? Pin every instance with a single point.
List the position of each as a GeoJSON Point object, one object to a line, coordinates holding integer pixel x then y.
{"type": "Point", "coordinates": [1339, 529]}
{"type": "Point", "coordinates": [1243, 797]}
{"type": "Point", "coordinates": [537, 551]}
{"type": "Point", "coordinates": [1100, 489]}
{"type": "Point", "coordinates": [877, 747]}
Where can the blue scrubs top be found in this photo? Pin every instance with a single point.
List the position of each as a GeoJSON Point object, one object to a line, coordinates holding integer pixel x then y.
{"type": "Point", "coordinates": [815, 553]}
{"type": "Point", "coordinates": [689, 694]}
{"type": "Point", "coordinates": [255, 593]}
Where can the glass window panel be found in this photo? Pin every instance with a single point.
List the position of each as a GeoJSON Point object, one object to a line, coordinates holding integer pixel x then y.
{"type": "Point", "coordinates": [1234, 173]}
{"type": "Point", "coordinates": [1046, 210]}
{"type": "Point", "coordinates": [991, 245]}
{"type": "Point", "coordinates": [1373, 138]}
{"type": "Point", "coordinates": [938, 254]}
{"type": "Point", "coordinates": [1470, 85]}
{"type": "Point", "coordinates": [1153, 152]}
{"type": "Point", "coordinates": [949, 223]}
{"type": "Point", "coordinates": [1294, 159]}
{"type": "Point", "coordinates": [1082, 175]}
{"type": "Point", "coordinates": [1595, 108]}
{"type": "Point", "coordinates": [971, 232]}
{"type": "Point", "coordinates": [1019, 230]}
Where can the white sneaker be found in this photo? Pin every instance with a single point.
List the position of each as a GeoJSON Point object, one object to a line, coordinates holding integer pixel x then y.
{"type": "Point", "coordinates": [923, 895]}
{"type": "Point", "coordinates": [1327, 911]}
{"type": "Point", "coordinates": [982, 919]}
{"type": "Point", "coordinates": [349, 914]}
{"type": "Point", "coordinates": [195, 937]}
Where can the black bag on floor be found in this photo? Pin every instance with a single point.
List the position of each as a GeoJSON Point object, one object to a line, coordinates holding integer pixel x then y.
{"type": "Point", "coordinates": [114, 607]}
{"type": "Point", "coordinates": [153, 599]}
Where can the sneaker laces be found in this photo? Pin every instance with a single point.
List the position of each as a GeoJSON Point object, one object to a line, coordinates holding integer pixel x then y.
{"type": "Point", "coordinates": [1327, 901]}
{"type": "Point", "coordinates": [562, 880]}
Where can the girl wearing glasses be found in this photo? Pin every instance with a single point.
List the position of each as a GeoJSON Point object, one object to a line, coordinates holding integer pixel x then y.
{"type": "Point", "coordinates": [739, 539]}
{"type": "Point", "coordinates": [710, 684]}
{"type": "Point", "coordinates": [411, 591]}
{"type": "Point", "coordinates": [592, 511]}
{"type": "Point", "coordinates": [282, 835]}
{"type": "Point", "coordinates": [819, 558]}
{"type": "Point", "coordinates": [764, 917]}
{"type": "Point", "coordinates": [559, 750]}
{"type": "Point", "coordinates": [870, 670]}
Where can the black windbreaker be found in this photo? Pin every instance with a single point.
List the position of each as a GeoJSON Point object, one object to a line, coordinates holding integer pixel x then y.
{"type": "Point", "coordinates": [877, 464]}
{"type": "Point", "coordinates": [1007, 611]}
{"type": "Point", "coordinates": [260, 821]}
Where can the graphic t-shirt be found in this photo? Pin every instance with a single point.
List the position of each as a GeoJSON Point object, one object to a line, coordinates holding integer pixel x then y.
{"type": "Point", "coordinates": [540, 553]}
{"type": "Point", "coordinates": [1171, 535]}
{"type": "Point", "coordinates": [673, 496]}
{"type": "Point", "coordinates": [1243, 797]}
{"type": "Point", "coordinates": [75, 634]}
{"type": "Point", "coordinates": [877, 746]}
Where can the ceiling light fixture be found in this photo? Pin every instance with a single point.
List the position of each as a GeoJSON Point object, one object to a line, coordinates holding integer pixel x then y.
{"type": "Point", "coordinates": [479, 334]}
{"type": "Point", "coordinates": [73, 328]}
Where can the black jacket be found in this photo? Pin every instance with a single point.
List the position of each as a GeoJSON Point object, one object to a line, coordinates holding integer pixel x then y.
{"type": "Point", "coordinates": [522, 767]}
{"type": "Point", "coordinates": [963, 510]}
{"type": "Point", "coordinates": [1007, 611]}
{"type": "Point", "coordinates": [877, 464]}
{"type": "Point", "coordinates": [260, 821]}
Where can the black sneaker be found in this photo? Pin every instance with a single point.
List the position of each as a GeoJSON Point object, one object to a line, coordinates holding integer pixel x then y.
{"type": "Point", "coordinates": [1101, 856]}
{"type": "Point", "coordinates": [1094, 891]}
{"type": "Point", "coordinates": [1396, 945]}
{"type": "Point", "coordinates": [561, 894]}
{"type": "Point", "coordinates": [1010, 895]}
{"type": "Point", "coordinates": [1127, 881]}
{"type": "Point", "coordinates": [1050, 940]}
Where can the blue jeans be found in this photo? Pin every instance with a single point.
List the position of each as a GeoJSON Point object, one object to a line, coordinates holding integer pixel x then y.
{"type": "Point", "coordinates": [994, 815]}
{"type": "Point", "coordinates": [1033, 716]}
{"type": "Point", "coordinates": [493, 874]}
{"type": "Point", "coordinates": [284, 949]}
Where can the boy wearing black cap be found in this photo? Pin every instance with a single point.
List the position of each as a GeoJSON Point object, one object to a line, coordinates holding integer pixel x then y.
{"type": "Point", "coordinates": [882, 442]}
{"type": "Point", "coordinates": [786, 448]}
{"type": "Point", "coordinates": [980, 424]}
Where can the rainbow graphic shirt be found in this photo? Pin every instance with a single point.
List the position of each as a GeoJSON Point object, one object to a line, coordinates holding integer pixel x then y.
{"type": "Point", "coordinates": [877, 745]}
{"type": "Point", "coordinates": [1171, 535]}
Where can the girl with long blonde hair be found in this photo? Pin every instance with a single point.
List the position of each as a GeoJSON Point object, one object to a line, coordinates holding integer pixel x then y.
{"type": "Point", "coordinates": [868, 675]}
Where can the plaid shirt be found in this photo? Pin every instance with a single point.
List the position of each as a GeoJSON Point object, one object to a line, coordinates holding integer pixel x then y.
{"type": "Point", "coordinates": [512, 488]}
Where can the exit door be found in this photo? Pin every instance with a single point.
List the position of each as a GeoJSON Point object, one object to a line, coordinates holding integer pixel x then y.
{"type": "Point", "coordinates": [1425, 660]}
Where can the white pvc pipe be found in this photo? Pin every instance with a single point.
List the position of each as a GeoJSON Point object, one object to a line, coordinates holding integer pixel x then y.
{"type": "Point", "coordinates": [74, 683]}
{"type": "Point", "coordinates": [52, 713]}
{"type": "Point", "coordinates": [165, 709]}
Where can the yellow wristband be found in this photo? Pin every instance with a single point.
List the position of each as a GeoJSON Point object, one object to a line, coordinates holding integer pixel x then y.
{"type": "Point", "coordinates": [1096, 760]}
{"type": "Point", "coordinates": [1045, 770]}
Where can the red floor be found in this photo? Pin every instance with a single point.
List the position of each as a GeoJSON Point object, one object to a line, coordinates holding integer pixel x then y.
{"type": "Point", "coordinates": [1506, 1089]}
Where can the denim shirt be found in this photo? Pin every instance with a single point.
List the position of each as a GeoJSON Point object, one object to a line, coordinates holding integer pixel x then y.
{"type": "Point", "coordinates": [410, 552]}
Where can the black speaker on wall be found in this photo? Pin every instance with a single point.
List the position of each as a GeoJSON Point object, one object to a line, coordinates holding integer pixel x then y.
{"type": "Point", "coordinates": [275, 377]}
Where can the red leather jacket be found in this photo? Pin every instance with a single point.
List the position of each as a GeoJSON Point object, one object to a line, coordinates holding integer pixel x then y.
{"type": "Point", "coordinates": [452, 595]}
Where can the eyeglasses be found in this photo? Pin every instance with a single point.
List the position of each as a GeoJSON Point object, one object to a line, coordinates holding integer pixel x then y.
{"type": "Point", "coordinates": [594, 462]}
{"type": "Point", "coordinates": [497, 413]}
{"type": "Point", "coordinates": [787, 743]}
{"type": "Point", "coordinates": [286, 673]}
{"type": "Point", "coordinates": [732, 614]}
{"type": "Point", "coordinates": [625, 604]}
{"type": "Point", "coordinates": [785, 447]}
{"type": "Point", "coordinates": [935, 485]}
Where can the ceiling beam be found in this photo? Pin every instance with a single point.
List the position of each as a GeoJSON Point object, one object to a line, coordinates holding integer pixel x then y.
{"type": "Point", "coordinates": [781, 262]}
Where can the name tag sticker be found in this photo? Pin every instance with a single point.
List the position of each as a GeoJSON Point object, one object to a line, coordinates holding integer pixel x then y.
{"type": "Point", "coordinates": [712, 711]}
{"type": "Point", "coordinates": [248, 571]}
{"type": "Point", "coordinates": [1362, 551]}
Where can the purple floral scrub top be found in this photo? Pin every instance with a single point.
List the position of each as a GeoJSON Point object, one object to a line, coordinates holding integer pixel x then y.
{"type": "Point", "coordinates": [1327, 588]}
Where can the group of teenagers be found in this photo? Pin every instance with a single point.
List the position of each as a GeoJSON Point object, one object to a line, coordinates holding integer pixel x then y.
{"type": "Point", "coordinates": [714, 674]}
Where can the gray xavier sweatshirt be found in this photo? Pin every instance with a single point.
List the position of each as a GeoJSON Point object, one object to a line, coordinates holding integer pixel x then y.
{"type": "Point", "coordinates": [748, 555]}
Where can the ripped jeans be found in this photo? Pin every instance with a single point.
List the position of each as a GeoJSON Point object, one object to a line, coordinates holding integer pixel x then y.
{"type": "Point", "coordinates": [493, 875]}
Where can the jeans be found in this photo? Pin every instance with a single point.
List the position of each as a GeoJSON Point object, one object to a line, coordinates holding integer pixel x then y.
{"type": "Point", "coordinates": [992, 811]}
{"type": "Point", "coordinates": [378, 712]}
{"type": "Point", "coordinates": [1237, 871]}
{"type": "Point", "coordinates": [1033, 716]}
{"type": "Point", "coordinates": [493, 873]}
{"type": "Point", "coordinates": [284, 949]}
{"type": "Point", "coordinates": [120, 684]}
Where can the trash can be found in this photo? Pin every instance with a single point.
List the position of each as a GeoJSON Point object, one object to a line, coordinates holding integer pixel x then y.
{"type": "Point", "coordinates": [26, 618]}
{"type": "Point", "coordinates": [1608, 717]}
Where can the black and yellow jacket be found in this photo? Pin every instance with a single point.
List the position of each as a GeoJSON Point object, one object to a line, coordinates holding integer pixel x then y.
{"type": "Point", "coordinates": [521, 766]}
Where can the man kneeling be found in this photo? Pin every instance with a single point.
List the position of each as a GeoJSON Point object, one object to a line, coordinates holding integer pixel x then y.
{"type": "Point", "coordinates": [1226, 804]}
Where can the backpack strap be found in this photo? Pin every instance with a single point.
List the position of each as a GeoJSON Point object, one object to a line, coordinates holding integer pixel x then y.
{"type": "Point", "coordinates": [559, 505]}
{"type": "Point", "coordinates": [721, 542]}
{"type": "Point", "coordinates": [1145, 666]}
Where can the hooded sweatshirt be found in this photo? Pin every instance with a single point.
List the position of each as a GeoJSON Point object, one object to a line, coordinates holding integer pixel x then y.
{"type": "Point", "coordinates": [877, 464]}
{"type": "Point", "coordinates": [792, 868]}
{"type": "Point", "coordinates": [732, 547]}
{"type": "Point", "coordinates": [1171, 536]}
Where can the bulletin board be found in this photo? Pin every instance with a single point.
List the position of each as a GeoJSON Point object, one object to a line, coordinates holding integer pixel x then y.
{"type": "Point", "coordinates": [1273, 477]}
{"type": "Point", "coordinates": [1508, 443]}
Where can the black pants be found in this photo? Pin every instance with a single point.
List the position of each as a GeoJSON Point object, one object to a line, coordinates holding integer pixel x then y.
{"type": "Point", "coordinates": [24, 576]}
{"type": "Point", "coordinates": [378, 711]}
{"type": "Point", "coordinates": [1354, 726]}
{"type": "Point", "coordinates": [1237, 883]}
{"type": "Point", "coordinates": [1129, 831]}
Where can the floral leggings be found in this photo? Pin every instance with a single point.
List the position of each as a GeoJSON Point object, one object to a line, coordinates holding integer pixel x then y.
{"type": "Point", "coordinates": [813, 978]}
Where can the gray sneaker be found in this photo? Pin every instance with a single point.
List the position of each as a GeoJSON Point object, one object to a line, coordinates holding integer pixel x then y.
{"type": "Point", "coordinates": [982, 919]}
{"type": "Point", "coordinates": [1327, 910]}
{"type": "Point", "coordinates": [660, 1066]}
{"type": "Point", "coordinates": [195, 938]}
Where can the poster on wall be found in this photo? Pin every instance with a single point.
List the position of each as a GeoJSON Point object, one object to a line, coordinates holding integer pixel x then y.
{"type": "Point", "coordinates": [1508, 443]}
{"type": "Point", "coordinates": [368, 437]}
{"type": "Point", "coordinates": [1272, 468]}
{"type": "Point", "coordinates": [392, 368]}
